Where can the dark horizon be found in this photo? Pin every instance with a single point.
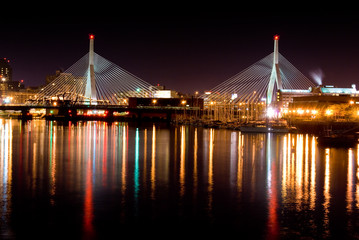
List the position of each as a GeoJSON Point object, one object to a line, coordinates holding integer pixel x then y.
{"type": "Point", "coordinates": [187, 53]}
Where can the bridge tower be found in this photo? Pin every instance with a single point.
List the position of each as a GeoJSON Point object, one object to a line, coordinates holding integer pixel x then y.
{"type": "Point", "coordinates": [275, 75]}
{"type": "Point", "coordinates": [90, 92]}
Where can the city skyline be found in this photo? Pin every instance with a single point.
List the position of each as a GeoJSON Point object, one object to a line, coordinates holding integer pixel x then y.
{"type": "Point", "coordinates": [100, 152]}
{"type": "Point", "coordinates": [187, 53]}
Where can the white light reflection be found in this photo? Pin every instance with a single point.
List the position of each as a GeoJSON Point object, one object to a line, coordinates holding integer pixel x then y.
{"type": "Point", "coordinates": [269, 173]}
{"type": "Point", "coordinates": [350, 179]}
{"type": "Point", "coordinates": [312, 176]}
{"type": "Point", "coordinates": [326, 190]}
{"type": "Point", "coordinates": [285, 167]}
{"type": "Point", "coordinates": [5, 172]}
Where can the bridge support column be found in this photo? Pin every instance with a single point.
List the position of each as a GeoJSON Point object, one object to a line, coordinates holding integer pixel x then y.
{"type": "Point", "coordinates": [90, 92]}
{"type": "Point", "coordinates": [109, 115]}
{"type": "Point", "coordinates": [169, 116]}
{"type": "Point", "coordinates": [139, 116]}
{"type": "Point", "coordinates": [25, 114]}
{"type": "Point", "coordinates": [72, 112]}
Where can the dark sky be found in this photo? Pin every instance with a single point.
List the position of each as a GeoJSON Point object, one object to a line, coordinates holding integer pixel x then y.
{"type": "Point", "coordinates": [185, 51]}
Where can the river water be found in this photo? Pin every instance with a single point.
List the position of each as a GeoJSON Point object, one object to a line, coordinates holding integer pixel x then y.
{"type": "Point", "coordinates": [98, 180]}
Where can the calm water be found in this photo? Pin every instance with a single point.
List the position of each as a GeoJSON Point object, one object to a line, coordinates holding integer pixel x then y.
{"type": "Point", "coordinates": [95, 179]}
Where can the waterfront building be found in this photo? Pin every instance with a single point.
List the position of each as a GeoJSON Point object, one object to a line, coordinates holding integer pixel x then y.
{"type": "Point", "coordinates": [5, 70]}
{"type": "Point", "coordinates": [50, 78]}
{"type": "Point", "coordinates": [10, 91]}
{"type": "Point", "coordinates": [18, 97]}
{"type": "Point", "coordinates": [323, 103]}
{"type": "Point", "coordinates": [285, 96]}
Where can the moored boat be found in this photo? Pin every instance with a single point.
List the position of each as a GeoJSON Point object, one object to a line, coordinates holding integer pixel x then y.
{"type": "Point", "coordinates": [264, 129]}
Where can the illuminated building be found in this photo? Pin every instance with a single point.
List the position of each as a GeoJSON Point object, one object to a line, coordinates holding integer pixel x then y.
{"type": "Point", "coordinates": [325, 102]}
{"type": "Point", "coordinates": [9, 89]}
{"type": "Point", "coordinates": [160, 91]}
{"type": "Point", "coordinates": [18, 97]}
{"type": "Point", "coordinates": [335, 91]}
{"type": "Point", "coordinates": [6, 82]}
{"type": "Point", "coordinates": [5, 70]}
{"type": "Point", "coordinates": [50, 78]}
{"type": "Point", "coordinates": [165, 94]}
{"type": "Point", "coordinates": [286, 96]}
{"type": "Point", "coordinates": [321, 101]}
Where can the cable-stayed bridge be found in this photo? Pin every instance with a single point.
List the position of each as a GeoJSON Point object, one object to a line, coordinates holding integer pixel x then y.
{"type": "Point", "coordinates": [251, 85]}
{"type": "Point", "coordinates": [95, 80]}
{"type": "Point", "coordinates": [259, 82]}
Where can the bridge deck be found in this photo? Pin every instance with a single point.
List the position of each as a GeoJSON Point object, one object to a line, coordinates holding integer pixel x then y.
{"type": "Point", "coordinates": [72, 111]}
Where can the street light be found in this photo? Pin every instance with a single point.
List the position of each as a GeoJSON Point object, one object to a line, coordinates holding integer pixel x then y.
{"type": "Point", "coordinates": [329, 112]}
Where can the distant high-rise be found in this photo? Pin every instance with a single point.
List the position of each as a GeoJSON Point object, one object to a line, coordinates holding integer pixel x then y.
{"type": "Point", "coordinates": [5, 70]}
{"type": "Point", "coordinates": [50, 78]}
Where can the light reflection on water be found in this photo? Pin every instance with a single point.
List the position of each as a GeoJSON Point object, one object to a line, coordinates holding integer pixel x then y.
{"type": "Point", "coordinates": [94, 178]}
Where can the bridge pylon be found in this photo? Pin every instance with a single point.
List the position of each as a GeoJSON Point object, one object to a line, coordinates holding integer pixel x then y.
{"type": "Point", "coordinates": [275, 76]}
{"type": "Point", "coordinates": [90, 92]}
{"type": "Point", "coordinates": [94, 80]}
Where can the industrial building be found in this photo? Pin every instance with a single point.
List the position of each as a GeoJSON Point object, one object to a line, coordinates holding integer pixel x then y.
{"type": "Point", "coordinates": [286, 96]}
{"type": "Point", "coordinates": [321, 102]}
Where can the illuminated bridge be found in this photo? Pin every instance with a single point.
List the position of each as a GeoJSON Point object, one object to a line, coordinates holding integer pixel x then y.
{"type": "Point", "coordinates": [259, 82]}
{"type": "Point", "coordinates": [95, 80]}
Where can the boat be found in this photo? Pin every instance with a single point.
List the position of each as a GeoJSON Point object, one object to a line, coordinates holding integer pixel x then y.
{"type": "Point", "coordinates": [213, 124]}
{"type": "Point", "coordinates": [261, 128]}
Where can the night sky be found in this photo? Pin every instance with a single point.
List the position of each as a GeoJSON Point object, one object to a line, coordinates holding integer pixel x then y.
{"type": "Point", "coordinates": [185, 51]}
